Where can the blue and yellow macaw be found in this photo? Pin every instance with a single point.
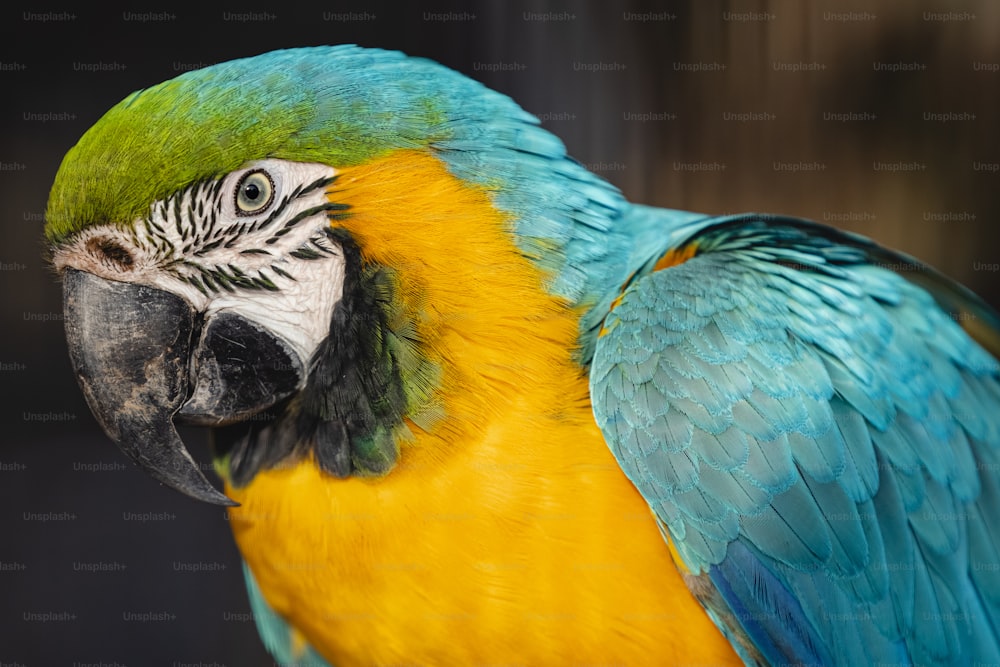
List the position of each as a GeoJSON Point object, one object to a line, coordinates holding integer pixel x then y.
{"type": "Point", "coordinates": [471, 406]}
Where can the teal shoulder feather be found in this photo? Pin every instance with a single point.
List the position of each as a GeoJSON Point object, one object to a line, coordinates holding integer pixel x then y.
{"type": "Point", "coordinates": [820, 439]}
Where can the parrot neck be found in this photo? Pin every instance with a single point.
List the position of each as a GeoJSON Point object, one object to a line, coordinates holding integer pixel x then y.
{"type": "Point", "coordinates": [475, 312]}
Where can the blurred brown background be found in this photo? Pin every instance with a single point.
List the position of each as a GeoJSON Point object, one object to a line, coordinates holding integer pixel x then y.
{"type": "Point", "coordinates": [873, 115]}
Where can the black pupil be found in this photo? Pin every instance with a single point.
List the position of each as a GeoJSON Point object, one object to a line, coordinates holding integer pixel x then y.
{"type": "Point", "coordinates": [251, 191]}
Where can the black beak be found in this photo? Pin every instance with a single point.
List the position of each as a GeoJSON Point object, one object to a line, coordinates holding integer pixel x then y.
{"type": "Point", "coordinates": [130, 346]}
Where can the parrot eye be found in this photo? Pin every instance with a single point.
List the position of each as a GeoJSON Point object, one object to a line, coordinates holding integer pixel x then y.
{"type": "Point", "coordinates": [254, 192]}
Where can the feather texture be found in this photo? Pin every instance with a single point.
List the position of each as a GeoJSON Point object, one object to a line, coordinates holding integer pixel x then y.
{"type": "Point", "coordinates": [816, 435]}
{"type": "Point", "coordinates": [830, 466]}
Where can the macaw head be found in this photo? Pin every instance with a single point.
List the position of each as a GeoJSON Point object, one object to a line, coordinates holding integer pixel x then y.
{"type": "Point", "coordinates": [294, 249]}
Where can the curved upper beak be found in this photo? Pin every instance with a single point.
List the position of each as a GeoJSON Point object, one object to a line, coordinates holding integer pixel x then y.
{"type": "Point", "coordinates": [130, 347]}
{"type": "Point", "coordinates": [144, 358]}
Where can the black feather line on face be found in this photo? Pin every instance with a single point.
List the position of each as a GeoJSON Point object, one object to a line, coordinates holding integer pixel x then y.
{"type": "Point", "coordinates": [353, 400]}
{"type": "Point", "coordinates": [355, 394]}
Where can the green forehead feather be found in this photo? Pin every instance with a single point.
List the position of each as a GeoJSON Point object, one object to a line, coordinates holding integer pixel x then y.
{"type": "Point", "coordinates": [335, 105]}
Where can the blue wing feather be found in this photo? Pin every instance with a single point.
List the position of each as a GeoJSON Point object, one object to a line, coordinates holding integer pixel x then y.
{"type": "Point", "coordinates": [766, 609]}
{"type": "Point", "coordinates": [819, 438]}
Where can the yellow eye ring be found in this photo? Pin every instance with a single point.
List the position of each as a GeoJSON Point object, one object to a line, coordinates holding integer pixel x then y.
{"type": "Point", "coordinates": [254, 192]}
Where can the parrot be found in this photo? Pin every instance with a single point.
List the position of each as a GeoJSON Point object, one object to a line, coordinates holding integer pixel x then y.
{"type": "Point", "coordinates": [470, 406]}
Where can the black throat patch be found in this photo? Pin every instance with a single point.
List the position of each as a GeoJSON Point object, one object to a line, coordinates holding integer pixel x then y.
{"type": "Point", "coordinates": [354, 398]}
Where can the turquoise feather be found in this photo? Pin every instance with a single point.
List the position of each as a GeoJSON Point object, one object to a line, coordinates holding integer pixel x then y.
{"type": "Point", "coordinates": [276, 633]}
{"type": "Point", "coordinates": [834, 469]}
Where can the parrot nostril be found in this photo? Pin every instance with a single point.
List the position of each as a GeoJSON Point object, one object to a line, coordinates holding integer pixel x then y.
{"type": "Point", "coordinates": [111, 253]}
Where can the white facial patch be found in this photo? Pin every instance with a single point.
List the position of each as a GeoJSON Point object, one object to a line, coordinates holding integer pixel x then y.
{"type": "Point", "coordinates": [255, 243]}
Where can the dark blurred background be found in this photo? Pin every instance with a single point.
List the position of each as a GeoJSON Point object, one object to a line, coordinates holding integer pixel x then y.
{"type": "Point", "coordinates": [877, 116]}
